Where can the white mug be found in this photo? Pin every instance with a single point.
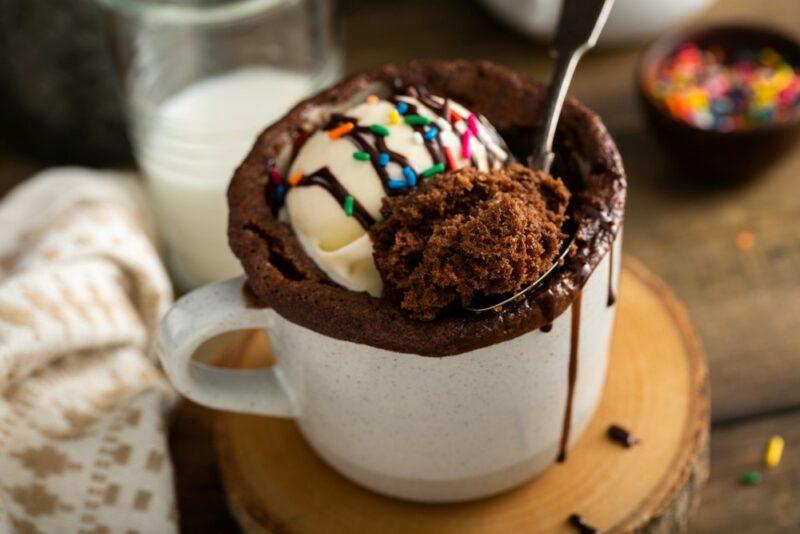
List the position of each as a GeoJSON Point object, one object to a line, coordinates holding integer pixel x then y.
{"type": "Point", "coordinates": [432, 429]}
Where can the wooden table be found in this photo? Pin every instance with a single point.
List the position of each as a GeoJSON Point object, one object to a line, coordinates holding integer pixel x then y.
{"type": "Point", "coordinates": [745, 305]}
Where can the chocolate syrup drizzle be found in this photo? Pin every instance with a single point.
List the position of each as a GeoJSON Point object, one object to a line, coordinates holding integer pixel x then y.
{"type": "Point", "coordinates": [324, 178]}
{"type": "Point", "coordinates": [574, 341]}
{"type": "Point", "coordinates": [612, 297]}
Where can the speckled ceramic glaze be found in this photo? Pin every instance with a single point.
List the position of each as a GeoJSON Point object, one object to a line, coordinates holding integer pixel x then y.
{"type": "Point", "coordinates": [421, 428]}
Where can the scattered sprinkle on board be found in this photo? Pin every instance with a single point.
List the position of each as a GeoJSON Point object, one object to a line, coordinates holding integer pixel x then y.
{"type": "Point", "coordinates": [750, 478]}
{"type": "Point", "coordinates": [774, 452]}
{"type": "Point", "coordinates": [745, 241]}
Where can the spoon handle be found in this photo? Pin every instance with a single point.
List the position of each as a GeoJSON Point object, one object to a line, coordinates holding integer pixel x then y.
{"type": "Point", "coordinates": [557, 92]}
{"type": "Point", "coordinates": [579, 26]}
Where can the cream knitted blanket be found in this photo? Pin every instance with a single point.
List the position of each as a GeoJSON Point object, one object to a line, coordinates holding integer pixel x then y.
{"type": "Point", "coordinates": [82, 403]}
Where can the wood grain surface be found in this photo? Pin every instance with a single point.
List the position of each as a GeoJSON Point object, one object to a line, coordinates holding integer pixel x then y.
{"type": "Point", "coordinates": [657, 387]}
{"type": "Point", "coordinates": [745, 306]}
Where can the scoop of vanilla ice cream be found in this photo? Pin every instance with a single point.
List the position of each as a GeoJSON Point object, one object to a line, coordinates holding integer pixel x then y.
{"type": "Point", "coordinates": [338, 242]}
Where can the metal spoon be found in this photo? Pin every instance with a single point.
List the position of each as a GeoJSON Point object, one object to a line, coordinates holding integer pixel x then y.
{"type": "Point", "coordinates": [579, 26]}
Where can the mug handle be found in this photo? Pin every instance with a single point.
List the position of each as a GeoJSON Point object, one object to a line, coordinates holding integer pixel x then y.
{"type": "Point", "coordinates": [197, 317]}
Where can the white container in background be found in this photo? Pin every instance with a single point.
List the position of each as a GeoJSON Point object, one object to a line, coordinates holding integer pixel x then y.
{"type": "Point", "coordinates": [201, 81]}
{"type": "Point", "coordinates": [630, 20]}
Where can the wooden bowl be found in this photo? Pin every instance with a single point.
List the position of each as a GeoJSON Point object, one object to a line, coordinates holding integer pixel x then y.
{"type": "Point", "coordinates": [714, 155]}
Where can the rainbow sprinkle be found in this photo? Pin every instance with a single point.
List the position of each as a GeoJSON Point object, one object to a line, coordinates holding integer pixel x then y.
{"type": "Point", "coordinates": [349, 203]}
{"type": "Point", "coordinates": [436, 169]}
{"type": "Point", "coordinates": [417, 120]}
{"type": "Point", "coordinates": [451, 161]}
{"type": "Point", "coordinates": [709, 89]}
{"type": "Point", "coordinates": [377, 129]}
{"type": "Point", "coordinates": [383, 159]}
{"type": "Point", "coordinates": [431, 133]}
{"type": "Point", "coordinates": [774, 452]}
{"type": "Point", "coordinates": [401, 107]}
{"type": "Point", "coordinates": [396, 184]}
{"type": "Point", "coordinates": [373, 99]}
{"type": "Point", "coordinates": [361, 156]}
{"type": "Point", "coordinates": [280, 191]}
{"type": "Point", "coordinates": [411, 176]}
{"type": "Point", "coordinates": [341, 130]}
{"type": "Point", "coordinates": [275, 176]}
{"type": "Point", "coordinates": [394, 116]}
{"type": "Point", "coordinates": [295, 178]}
{"type": "Point", "coordinates": [454, 117]}
{"type": "Point", "coordinates": [472, 124]}
{"type": "Point", "coordinates": [465, 149]}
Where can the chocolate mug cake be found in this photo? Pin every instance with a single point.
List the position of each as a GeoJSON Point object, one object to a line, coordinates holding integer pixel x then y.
{"type": "Point", "coordinates": [367, 220]}
{"type": "Point", "coordinates": [282, 276]}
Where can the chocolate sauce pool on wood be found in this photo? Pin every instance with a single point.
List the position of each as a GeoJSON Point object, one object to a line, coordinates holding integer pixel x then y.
{"type": "Point", "coordinates": [574, 341]}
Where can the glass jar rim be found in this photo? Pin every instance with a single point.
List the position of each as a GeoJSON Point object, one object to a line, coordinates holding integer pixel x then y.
{"type": "Point", "coordinates": [182, 13]}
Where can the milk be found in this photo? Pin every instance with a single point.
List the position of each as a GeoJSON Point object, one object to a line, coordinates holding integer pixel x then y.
{"type": "Point", "coordinates": [188, 152]}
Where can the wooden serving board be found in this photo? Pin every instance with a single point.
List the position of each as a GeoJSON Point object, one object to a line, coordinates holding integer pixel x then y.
{"type": "Point", "coordinates": [657, 388]}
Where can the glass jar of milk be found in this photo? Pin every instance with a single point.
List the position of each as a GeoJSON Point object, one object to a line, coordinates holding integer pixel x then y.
{"type": "Point", "coordinates": [201, 79]}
